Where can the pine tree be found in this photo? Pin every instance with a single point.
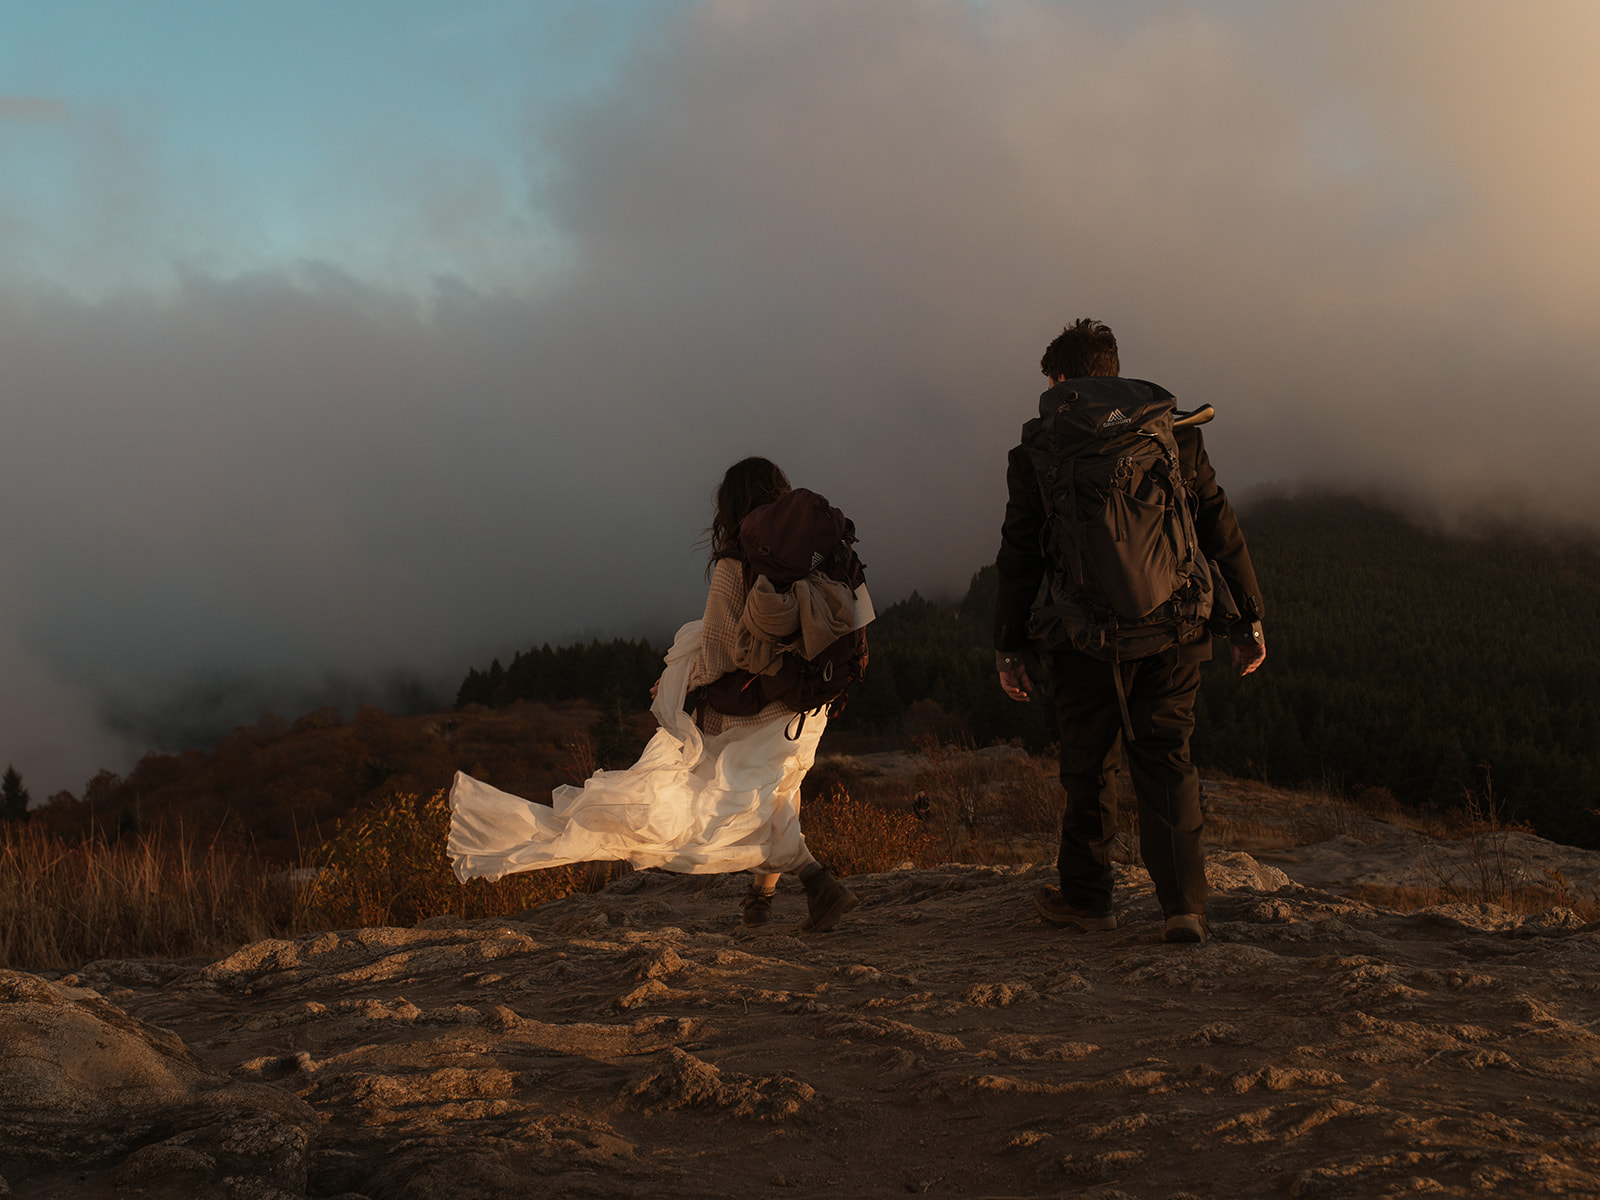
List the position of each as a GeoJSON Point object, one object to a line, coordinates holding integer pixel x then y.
{"type": "Point", "coordinates": [13, 796]}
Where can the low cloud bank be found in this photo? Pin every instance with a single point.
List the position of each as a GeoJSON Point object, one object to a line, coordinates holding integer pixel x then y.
{"type": "Point", "coordinates": [300, 474]}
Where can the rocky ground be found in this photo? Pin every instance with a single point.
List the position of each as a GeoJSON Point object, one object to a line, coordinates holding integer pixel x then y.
{"type": "Point", "coordinates": [942, 1041]}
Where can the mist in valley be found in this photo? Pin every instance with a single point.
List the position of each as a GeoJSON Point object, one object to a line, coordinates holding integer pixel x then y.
{"type": "Point", "coordinates": [837, 234]}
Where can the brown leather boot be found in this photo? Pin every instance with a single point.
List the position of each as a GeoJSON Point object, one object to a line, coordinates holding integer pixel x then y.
{"type": "Point", "coordinates": [827, 900]}
{"type": "Point", "coordinates": [757, 906]}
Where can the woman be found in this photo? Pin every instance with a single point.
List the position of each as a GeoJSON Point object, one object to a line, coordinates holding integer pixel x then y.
{"type": "Point", "coordinates": [711, 794]}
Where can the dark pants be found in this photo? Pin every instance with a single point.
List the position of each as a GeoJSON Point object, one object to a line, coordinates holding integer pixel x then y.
{"type": "Point", "coordinates": [1160, 692]}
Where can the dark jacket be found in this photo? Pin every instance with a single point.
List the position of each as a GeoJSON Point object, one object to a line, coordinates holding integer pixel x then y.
{"type": "Point", "coordinates": [1022, 566]}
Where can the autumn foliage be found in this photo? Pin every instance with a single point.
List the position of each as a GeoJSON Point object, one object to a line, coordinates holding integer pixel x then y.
{"type": "Point", "coordinates": [389, 867]}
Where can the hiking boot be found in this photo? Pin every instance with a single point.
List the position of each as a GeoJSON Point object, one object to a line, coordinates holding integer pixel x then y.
{"type": "Point", "coordinates": [1055, 909]}
{"type": "Point", "coordinates": [757, 906]}
{"type": "Point", "coordinates": [826, 899]}
{"type": "Point", "coordinates": [1187, 928]}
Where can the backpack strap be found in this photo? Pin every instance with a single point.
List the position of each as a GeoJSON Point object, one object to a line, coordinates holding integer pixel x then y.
{"type": "Point", "coordinates": [1060, 548]}
{"type": "Point", "coordinates": [1122, 698]}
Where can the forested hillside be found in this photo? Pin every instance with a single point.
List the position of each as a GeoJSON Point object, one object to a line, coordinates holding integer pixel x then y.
{"type": "Point", "coordinates": [1399, 658]}
{"type": "Point", "coordinates": [1427, 664]}
{"type": "Point", "coordinates": [1431, 665]}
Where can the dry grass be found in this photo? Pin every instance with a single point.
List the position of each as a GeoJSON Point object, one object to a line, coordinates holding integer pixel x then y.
{"type": "Point", "coordinates": [994, 809]}
{"type": "Point", "coordinates": [1464, 855]}
{"type": "Point", "coordinates": [1251, 816]}
{"type": "Point", "coordinates": [1493, 871]}
{"type": "Point", "coordinates": [65, 903]}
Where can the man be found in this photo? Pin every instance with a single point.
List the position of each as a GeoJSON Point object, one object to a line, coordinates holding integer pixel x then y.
{"type": "Point", "coordinates": [1145, 698]}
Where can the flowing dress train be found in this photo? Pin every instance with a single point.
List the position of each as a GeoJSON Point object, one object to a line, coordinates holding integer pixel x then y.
{"type": "Point", "coordinates": [693, 803]}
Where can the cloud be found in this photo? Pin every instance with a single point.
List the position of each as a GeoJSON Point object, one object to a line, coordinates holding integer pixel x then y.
{"type": "Point", "coordinates": [836, 233]}
{"type": "Point", "coordinates": [896, 207]}
{"type": "Point", "coordinates": [32, 108]}
{"type": "Point", "coordinates": [53, 733]}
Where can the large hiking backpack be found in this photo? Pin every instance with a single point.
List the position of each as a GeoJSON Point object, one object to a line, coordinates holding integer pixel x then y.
{"type": "Point", "coordinates": [1128, 578]}
{"type": "Point", "coordinates": [797, 534]}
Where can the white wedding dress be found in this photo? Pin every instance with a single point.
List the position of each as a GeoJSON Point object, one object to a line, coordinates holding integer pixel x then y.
{"type": "Point", "coordinates": [693, 804]}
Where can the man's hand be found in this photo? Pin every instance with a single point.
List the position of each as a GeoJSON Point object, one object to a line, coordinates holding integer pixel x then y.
{"type": "Point", "coordinates": [1015, 682]}
{"type": "Point", "coordinates": [654, 688]}
{"type": "Point", "coordinates": [1247, 658]}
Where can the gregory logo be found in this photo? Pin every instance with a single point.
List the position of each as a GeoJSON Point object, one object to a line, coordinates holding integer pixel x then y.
{"type": "Point", "coordinates": [1117, 417]}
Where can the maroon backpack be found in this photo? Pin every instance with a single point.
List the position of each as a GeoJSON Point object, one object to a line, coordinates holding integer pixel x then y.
{"type": "Point", "coordinates": [798, 533]}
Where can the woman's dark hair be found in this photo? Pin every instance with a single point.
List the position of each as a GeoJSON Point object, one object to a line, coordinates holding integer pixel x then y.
{"type": "Point", "coordinates": [1084, 348]}
{"type": "Point", "coordinates": [748, 484]}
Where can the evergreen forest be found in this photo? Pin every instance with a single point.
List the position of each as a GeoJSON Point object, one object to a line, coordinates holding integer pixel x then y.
{"type": "Point", "coordinates": [1441, 668]}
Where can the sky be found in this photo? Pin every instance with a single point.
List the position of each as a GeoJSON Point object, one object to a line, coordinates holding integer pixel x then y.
{"type": "Point", "coordinates": [349, 345]}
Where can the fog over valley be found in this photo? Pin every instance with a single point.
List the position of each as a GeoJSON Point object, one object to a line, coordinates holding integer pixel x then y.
{"type": "Point", "coordinates": [335, 423]}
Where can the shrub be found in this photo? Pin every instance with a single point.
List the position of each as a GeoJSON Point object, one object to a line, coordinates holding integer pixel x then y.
{"type": "Point", "coordinates": [855, 837]}
{"type": "Point", "coordinates": [390, 868]}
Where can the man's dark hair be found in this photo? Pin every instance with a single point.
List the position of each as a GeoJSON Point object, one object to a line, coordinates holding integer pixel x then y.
{"type": "Point", "coordinates": [1086, 347]}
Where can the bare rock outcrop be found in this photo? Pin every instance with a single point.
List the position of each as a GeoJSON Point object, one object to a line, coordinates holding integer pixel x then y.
{"type": "Point", "coordinates": [85, 1085]}
{"type": "Point", "coordinates": [942, 1041]}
